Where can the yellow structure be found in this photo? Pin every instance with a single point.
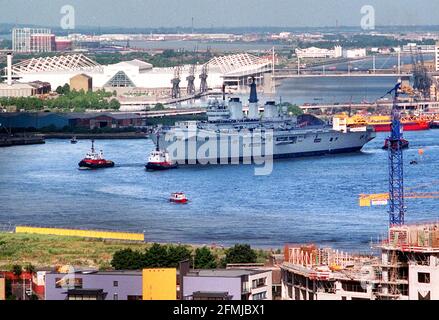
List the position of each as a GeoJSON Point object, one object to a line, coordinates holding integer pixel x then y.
{"type": "Point", "coordinates": [81, 82]}
{"type": "Point", "coordinates": [83, 233]}
{"type": "Point", "coordinates": [2, 289]}
{"type": "Point", "coordinates": [381, 199]}
{"type": "Point", "coordinates": [159, 284]}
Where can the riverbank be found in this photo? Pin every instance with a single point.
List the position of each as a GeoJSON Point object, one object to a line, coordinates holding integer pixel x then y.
{"type": "Point", "coordinates": [96, 136]}
{"type": "Point", "coordinates": [43, 251]}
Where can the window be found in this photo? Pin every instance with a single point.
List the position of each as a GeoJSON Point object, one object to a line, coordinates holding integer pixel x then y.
{"type": "Point", "coordinates": [423, 277]}
{"type": "Point", "coordinates": [115, 283]}
{"type": "Point", "coordinates": [317, 140]}
{"type": "Point", "coordinates": [260, 296]}
{"type": "Point", "coordinates": [134, 298]}
{"type": "Point", "coordinates": [115, 296]}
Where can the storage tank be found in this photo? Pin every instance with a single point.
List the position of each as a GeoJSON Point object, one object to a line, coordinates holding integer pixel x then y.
{"type": "Point", "coordinates": [270, 110]}
{"type": "Point", "coordinates": [235, 106]}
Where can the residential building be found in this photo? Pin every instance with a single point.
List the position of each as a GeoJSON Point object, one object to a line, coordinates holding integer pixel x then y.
{"type": "Point", "coordinates": [228, 285]}
{"type": "Point", "coordinates": [436, 54]}
{"type": "Point", "coordinates": [31, 40]}
{"type": "Point", "coordinates": [407, 269]}
{"type": "Point", "coordinates": [94, 285]}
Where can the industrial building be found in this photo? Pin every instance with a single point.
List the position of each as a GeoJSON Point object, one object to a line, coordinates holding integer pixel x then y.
{"type": "Point", "coordinates": [39, 120]}
{"type": "Point", "coordinates": [93, 285]}
{"type": "Point", "coordinates": [81, 82]}
{"type": "Point", "coordinates": [126, 76]}
{"type": "Point", "coordinates": [318, 53]}
{"type": "Point", "coordinates": [406, 270]}
{"type": "Point", "coordinates": [12, 88]}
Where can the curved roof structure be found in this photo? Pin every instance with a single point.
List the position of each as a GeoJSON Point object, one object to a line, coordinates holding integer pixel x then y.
{"type": "Point", "coordinates": [238, 63]}
{"type": "Point", "coordinates": [73, 62]}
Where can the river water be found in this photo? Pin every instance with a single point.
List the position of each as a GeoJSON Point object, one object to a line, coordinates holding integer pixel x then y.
{"type": "Point", "coordinates": [303, 200]}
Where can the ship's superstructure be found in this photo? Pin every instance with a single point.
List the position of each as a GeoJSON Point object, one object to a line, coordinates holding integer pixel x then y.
{"type": "Point", "coordinates": [230, 135]}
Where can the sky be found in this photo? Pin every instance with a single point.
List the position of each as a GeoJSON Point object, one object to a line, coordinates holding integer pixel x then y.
{"type": "Point", "coordinates": [219, 13]}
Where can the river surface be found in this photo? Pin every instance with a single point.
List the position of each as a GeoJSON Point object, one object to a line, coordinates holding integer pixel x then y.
{"type": "Point", "coordinates": [303, 200]}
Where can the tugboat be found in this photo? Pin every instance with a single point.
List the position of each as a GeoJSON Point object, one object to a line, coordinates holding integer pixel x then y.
{"type": "Point", "coordinates": [74, 140]}
{"type": "Point", "coordinates": [94, 160]}
{"type": "Point", "coordinates": [405, 144]}
{"type": "Point", "coordinates": [179, 197]}
{"type": "Point", "coordinates": [160, 160]}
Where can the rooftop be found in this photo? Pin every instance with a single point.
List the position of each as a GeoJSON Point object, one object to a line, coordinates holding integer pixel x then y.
{"type": "Point", "coordinates": [228, 273]}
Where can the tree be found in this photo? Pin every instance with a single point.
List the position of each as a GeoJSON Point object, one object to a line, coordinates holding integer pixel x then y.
{"type": "Point", "coordinates": [114, 104]}
{"type": "Point", "coordinates": [292, 109]}
{"type": "Point", "coordinates": [127, 259]}
{"type": "Point", "coordinates": [17, 270]}
{"type": "Point", "coordinates": [241, 253]}
{"type": "Point", "coordinates": [155, 257]}
{"type": "Point", "coordinates": [204, 259]}
{"type": "Point", "coordinates": [159, 107]}
{"type": "Point", "coordinates": [177, 254]}
{"type": "Point", "coordinates": [30, 268]}
{"type": "Point", "coordinates": [66, 89]}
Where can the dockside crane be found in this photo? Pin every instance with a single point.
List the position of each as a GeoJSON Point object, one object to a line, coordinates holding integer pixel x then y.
{"type": "Point", "coordinates": [175, 92]}
{"type": "Point", "coordinates": [203, 77]}
{"type": "Point", "coordinates": [191, 81]}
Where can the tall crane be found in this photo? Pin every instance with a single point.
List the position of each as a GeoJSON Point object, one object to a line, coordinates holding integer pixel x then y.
{"type": "Point", "coordinates": [175, 92]}
{"type": "Point", "coordinates": [191, 81]}
{"type": "Point", "coordinates": [396, 163]}
{"type": "Point", "coordinates": [203, 77]}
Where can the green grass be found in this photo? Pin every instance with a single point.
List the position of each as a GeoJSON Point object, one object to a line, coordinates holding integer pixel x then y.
{"type": "Point", "coordinates": [43, 251]}
{"type": "Point", "coordinates": [48, 251]}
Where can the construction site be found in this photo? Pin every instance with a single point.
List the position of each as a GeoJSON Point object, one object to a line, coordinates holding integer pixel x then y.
{"type": "Point", "coordinates": [406, 265]}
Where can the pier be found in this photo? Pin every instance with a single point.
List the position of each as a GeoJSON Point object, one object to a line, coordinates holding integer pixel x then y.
{"type": "Point", "coordinates": [9, 141]}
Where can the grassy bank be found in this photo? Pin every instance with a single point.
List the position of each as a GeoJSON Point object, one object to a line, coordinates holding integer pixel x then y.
{"type": "Point", "coordinates": [48, 251]}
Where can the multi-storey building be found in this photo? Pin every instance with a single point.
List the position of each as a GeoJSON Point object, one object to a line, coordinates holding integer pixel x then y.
{"type": "Point", "coordinates": [31, 40]}
{"type": "Point", "coordinates": [408, 269]}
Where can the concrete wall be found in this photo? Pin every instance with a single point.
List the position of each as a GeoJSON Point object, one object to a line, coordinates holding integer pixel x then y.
{"type": "Point", "coordinates": [417, 288]}
{"type": "Point", "coordinates": [128, 285]}
{"type": "Point", "coordinates": [212, 284]}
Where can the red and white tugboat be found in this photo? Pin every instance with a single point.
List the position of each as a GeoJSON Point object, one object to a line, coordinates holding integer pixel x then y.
{"type": "Point", "coordinates": [179, 197]}
{"type": "Point", "coordinates": [94, 160]}
{"type": "Point", "coordinates": [160, 160]}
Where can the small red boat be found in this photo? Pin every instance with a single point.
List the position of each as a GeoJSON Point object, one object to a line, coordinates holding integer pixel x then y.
{"type": "Point", "coordinates": [94, 160]}
{"type": "Point", "coordinates": [179, 197]}
{"type": "Point", "coordinates": [405, 144]}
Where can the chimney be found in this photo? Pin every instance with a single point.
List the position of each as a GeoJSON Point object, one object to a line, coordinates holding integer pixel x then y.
{"type": "Point", "coordinates": [9, 70]}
